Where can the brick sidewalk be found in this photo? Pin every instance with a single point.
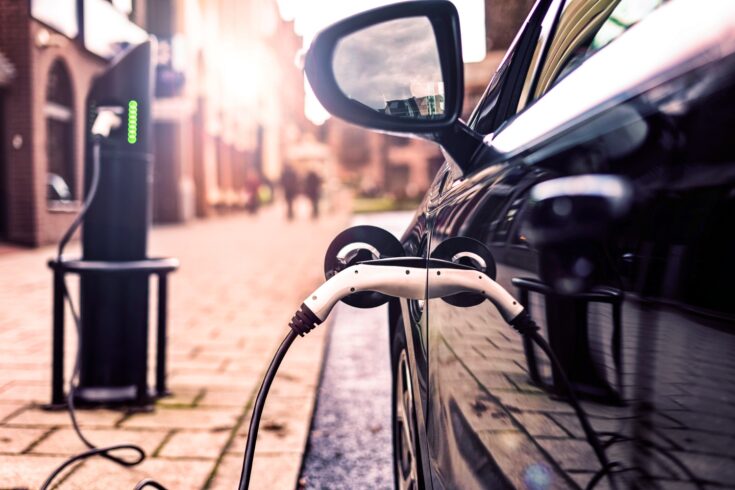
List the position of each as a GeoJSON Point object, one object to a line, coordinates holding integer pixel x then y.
{"type": "Point", "coordinates": [240, 280]}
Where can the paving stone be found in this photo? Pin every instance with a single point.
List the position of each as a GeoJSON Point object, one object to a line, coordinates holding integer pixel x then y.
{"type": "Point", "coordinates": [34, 375]}
{"type": "Point", "coordinates": [7, 409]}
{"type": "Point", "coordinates": [65, 441]}
{"type": "Point", "coordinates": [284, 426]}
{"type": "Point", "coordinates": [195, 444]}
{"type": "Point", "coordinates": [294, 383]}
{"type": "Point", "coordinates": [173, 474]}
{"type": "Point", "coordinates": [184, 418]}
{"type": "Point", "coordinates": [270, 472]}
{"type": "Point", "coordinates": [180, 397]}
{"type": "Point", "coordinates": [220, 397]}
{"type": "Point", "coordinates": [27, 392]}
{"type": "Point", "coordinates": [215, 379]}
{"type": "Point", "coordinates": [16, 440]}
{"type": "Point", "coordinates": [86, 418]}
{"type": "Point", "coordinates": [27, 471]}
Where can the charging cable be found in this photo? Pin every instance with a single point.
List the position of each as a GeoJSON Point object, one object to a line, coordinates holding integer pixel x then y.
{"type": "Point", "coordinates": [406, 278]}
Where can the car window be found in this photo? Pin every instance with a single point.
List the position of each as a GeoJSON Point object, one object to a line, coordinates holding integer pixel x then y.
{"type": "Point", "coordinates": [584, 27]}
{"type": "Point", "coordinates": [501, 96]}
{"type": "Point", "coordinates": [483, 118]}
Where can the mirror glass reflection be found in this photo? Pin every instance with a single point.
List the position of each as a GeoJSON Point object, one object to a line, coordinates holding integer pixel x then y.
{"type": "Point", "coordinates": [393, 68]}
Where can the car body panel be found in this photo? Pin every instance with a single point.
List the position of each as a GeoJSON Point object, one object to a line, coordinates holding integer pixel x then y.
{"type": "Point", "coordinates": [666, 403]}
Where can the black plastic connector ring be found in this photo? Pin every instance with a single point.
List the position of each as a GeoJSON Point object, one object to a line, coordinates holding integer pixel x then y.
{"type": "Point", "coordinates": [304, 321]}
{"type": "Point", "coordinates": [524, 324]}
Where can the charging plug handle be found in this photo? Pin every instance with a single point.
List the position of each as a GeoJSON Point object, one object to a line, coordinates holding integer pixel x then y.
{"type": "Point", "coordinates": [402, 278]}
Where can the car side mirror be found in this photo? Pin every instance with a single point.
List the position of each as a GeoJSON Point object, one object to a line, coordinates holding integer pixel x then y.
{"type": "Point", "coordinates": [566, 220]}
{"type": "Point", "coordinates": [396, 68]}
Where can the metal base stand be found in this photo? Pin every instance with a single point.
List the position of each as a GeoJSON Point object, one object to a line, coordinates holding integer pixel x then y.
{"type": "Point", "coordinates": [139, 394]}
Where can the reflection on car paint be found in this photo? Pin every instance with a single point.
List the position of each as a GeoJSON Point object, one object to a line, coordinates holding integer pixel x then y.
{"type": "Point", "coordinates": [666, 411]}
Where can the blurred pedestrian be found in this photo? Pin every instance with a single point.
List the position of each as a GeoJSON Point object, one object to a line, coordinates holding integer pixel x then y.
{"type": "Point", "coordinates": [290, 184]}
{"type": "Point", "coordinates": [252, 185]}
{"type": "Point", "coordinates": [313, 189]}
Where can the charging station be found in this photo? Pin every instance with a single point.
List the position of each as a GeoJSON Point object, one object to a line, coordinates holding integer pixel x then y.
{"type": "Point", "coordinates": [114, 269]}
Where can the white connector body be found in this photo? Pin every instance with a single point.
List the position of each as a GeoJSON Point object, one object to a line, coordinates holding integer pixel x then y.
{"type": "Point", "coordinates": [108, 118]}
{"type": "Point", "coordinates": [410, 283]}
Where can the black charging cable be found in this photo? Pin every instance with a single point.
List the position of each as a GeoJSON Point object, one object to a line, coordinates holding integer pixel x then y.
{"type": "Point", "coordinates": [91, 193]}
{"type": "Point", "coordinates": [247, 463]}
{"type": "Point", "coordinates": [92, 449]}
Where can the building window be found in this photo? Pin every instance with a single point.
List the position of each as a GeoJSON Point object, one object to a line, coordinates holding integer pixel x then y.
{"type": "Point", "coordinates": [60, 135]}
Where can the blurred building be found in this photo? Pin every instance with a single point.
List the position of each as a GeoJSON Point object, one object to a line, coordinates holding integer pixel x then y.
{"type": "Point", "coordinates": [51, 50]}
{"type": "Point", "coordinates": [228, 99]}
{"type": "Point", "coordinates": [405, 167]}
{"type": "Point", "coordinates": [503, 19]}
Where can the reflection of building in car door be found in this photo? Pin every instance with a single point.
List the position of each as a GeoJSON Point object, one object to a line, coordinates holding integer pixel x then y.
{"type": "Point", "coordinates": [584, 329]}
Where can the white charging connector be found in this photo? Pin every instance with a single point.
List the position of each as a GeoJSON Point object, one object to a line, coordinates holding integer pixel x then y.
{"type": "Point", "coordinates": [403, 278]}
{"type": "Point", "coordinates": [108, 118]}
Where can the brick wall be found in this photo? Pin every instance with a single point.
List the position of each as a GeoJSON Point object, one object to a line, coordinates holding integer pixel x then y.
{"type": "Point", "coordinates": [20, 208]}
{"type": "Point", "coordinates": [82, 67]}
{"type": "Point", "coordinates": [28, 218]}
{"type": "Point", "coordinates": [503, 19]}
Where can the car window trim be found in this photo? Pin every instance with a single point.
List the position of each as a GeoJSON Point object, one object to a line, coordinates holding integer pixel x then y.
{"type": "Point", "coordinates": [549, 24]}
{"type": "Point", "coordinates": [522, 49]}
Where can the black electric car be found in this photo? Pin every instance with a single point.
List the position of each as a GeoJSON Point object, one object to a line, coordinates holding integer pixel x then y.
{"type": "Point", "coordinates": [597, 177]}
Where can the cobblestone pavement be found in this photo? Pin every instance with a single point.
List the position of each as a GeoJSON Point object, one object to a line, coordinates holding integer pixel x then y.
{"type": "Point", "coordinates": [240, 280]}
{"type": "Point", "coordinates": [350, 441]}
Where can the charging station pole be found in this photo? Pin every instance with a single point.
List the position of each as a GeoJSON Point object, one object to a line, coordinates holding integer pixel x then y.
{"type": "Point", "coordinates": [114, 308]}
{"type": "Point", "coordinates": [114, 270]}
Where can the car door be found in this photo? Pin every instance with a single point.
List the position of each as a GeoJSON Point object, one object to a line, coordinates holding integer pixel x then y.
{"type": "Point", "coordinates": [416, 239]}
{"type": "Point", "coordinates": [645, 343]}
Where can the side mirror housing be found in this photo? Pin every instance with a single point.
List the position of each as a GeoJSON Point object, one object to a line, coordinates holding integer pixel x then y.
{"type": "Point", "coordinates": [396, 69]}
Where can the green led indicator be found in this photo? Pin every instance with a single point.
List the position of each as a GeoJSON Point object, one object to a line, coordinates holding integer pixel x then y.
{"type": "Point", "coordinates": [132, 122]}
